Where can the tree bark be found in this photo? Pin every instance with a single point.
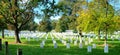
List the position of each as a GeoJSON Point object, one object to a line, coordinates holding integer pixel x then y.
{"type": "Point", "coordinates": [0, 44]}
{"type": "Point", "coordinates": [17, 39]}
{"type": "Point", "coordinates": [6, 48]}
{"type": "Point", "coordinates": [99, 35]}
{"type": "Point", "coordinates": [106, 23]}
{"type": "Point", "coordinates": [80, 33]}
{"type": "Point", "coordinates": [105, 37]}
{"type": "Point", "coordinates": [3, 34]}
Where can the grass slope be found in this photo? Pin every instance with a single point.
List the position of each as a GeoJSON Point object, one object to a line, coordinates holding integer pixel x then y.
{"type": "Point", "coordinates": [33, 48]}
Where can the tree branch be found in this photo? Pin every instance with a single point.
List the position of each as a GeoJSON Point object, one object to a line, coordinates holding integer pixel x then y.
{"type": "Point", "coordinates": [26, 21]}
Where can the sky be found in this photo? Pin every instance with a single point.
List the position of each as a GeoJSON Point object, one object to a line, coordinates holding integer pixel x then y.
{"type": "Point", "coordinates": [52, 18]}
{"type": "Point", "coordinates": [117, 5]}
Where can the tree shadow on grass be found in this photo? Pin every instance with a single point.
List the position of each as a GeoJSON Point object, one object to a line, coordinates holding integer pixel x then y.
{"type": "Point", "coordinates": [61, 50]}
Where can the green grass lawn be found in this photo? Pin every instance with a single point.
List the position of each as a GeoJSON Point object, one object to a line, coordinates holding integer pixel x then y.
{"type": "Point", "coordinates": [33, 48]}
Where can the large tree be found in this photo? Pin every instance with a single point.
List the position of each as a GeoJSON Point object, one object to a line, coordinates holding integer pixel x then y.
{"type": "Point", "coordinates": [17, 13]}
{"type": "Point", "coordinates": [3, 26]}
{"type": "Point", "coordinates": [70, 10]}
{"type": "Point", "coordinates": [45, 26]}
{"type": "Point", "coordinates": [47, 9]}
{"type": "Point", "coordinates": [98, 18]}
{"type": "Point", "coordinates": [53, 24]}
{"type": "Point", "coordinates": [62, 24]}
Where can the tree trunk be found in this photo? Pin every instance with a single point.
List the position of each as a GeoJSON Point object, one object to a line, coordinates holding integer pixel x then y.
{"type": "Point", "coordinates": [80, 33]}
{"type": "Point", "coordinates": [106, 23]}
{"type": "Point", "coordinates": [99, 35]}
{"type": "Point", "coordinates": [17, 39]}
{"type": "Point", "coordinates": [105, 37]}
{"type": "Point", "coordinates": [3, 34]}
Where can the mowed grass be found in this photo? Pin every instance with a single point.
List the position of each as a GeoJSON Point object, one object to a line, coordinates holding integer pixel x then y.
{"type": "Point", "coordinates": [33, 47]}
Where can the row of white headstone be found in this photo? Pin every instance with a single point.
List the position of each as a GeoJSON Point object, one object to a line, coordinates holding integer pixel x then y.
{"type": "Point", "coordinates": [34, 36]}
{"type": "Point", "coordinates": [89, 48]}
{"type": "Point", "coordinates": [42, 44]}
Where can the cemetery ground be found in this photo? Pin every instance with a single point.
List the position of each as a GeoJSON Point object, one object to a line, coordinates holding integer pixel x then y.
{"type": "Point", "coordinates": [32, 47]}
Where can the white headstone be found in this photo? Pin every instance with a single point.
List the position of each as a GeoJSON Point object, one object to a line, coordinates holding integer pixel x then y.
{"type": "Point", "coordinates": [91, 40]}
{"type": "Point", "coordinates": [80, 40]}
{"type": "Point", "coordinates": [77, 38]}
{"type": "Point", "coordinates": [101, 37]}
{"type": "Point", "coordinates": [52, 38]}
{"type": "Point", "coordinates": [41, 45]}
{"type": "Point", "coordinates": [68, 45]}
{"type": "Point", "coordinates": [112, 37]}
{"type": "Point", "coordinates": [43, 42]}
{"type": "Point", "coordinates": [106, 48]}
{"type": "Point", "coordinates": [55, 45]}
{"type": "Point", "coordinates": [61, 40]}
{"type": "Point", "coordinates": [89, 49]}
{"type": "Point", "coordinates": [37, 39]}
{"type": "Point", "coordinates": [96, 38]}
{"type": "Point", "coordinates": [116, 37]}
{"type": "Point", "coordinates": [119, 38]}
{"type": "Point", "coordinates": [86, 43]}
{"type": "Point", "coordinates": [83, 39]}
{"type": "Point", "coordinates": [80, 45]}
{"type": "Point", "coordinates": [64, 42]}
{"type": "Point", "coordinates": [46, 38]}
{"type": "Point", "coordinates": [94, 45]}
{"type": "Point", "coordinates": [54, 41]}
{"type": "Point", "coordinates": [28, 38]}
{"type": "Point", "coordinates": [75, 42]}
{"type": "Point", "coordinates": [71, 41]}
